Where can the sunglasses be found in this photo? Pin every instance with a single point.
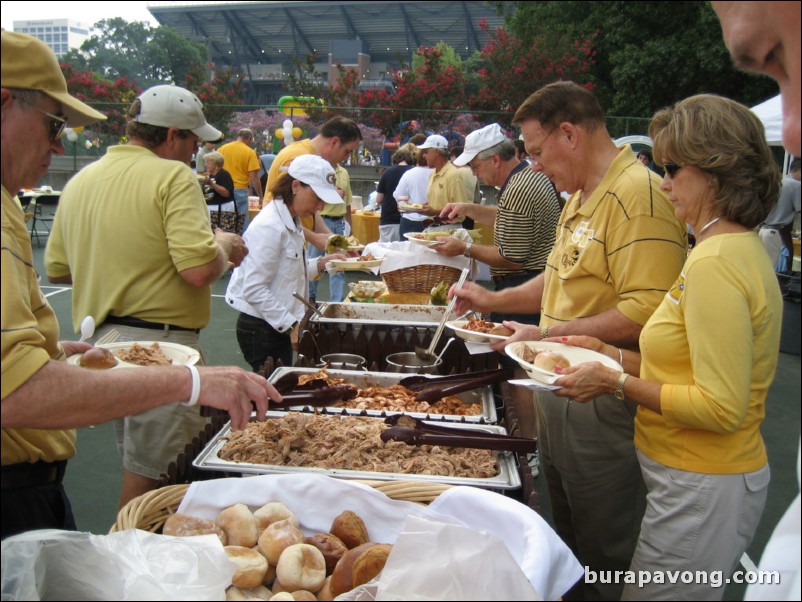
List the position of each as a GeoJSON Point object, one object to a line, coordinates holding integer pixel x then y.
{"type": "Point", "coordinates": [672, 168]}
{"type": "Point", "coordinates": [56, 125]}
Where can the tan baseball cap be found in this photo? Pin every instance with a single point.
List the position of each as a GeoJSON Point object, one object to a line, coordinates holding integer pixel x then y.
{"type": "Point", "coordinates": [29, 64]}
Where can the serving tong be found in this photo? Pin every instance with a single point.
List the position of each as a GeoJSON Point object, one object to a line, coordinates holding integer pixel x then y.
{"type": "Point", "coordinates": [320, 396]}
{"type": "Point", "coordinates": [414, 431]}
{"type": "Point", "coordinates": [434, 391]}
{"type": "Point", "coordinates": [416, 382]}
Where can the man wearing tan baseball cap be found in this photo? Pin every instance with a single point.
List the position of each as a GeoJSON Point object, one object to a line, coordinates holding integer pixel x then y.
{"type": "Point", "coordinates": [43, 397]}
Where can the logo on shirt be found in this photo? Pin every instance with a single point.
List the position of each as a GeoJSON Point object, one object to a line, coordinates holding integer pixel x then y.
{"type": "Point", "coordinates": [675, 293]}
{"type": "Point", "coordinates": [583, 235]}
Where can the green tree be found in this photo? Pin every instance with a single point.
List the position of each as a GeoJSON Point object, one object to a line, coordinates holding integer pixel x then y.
{"type": "Point", "coordinates": [136, 51]}
{"type": "Point", "coordinates": [648, 54]}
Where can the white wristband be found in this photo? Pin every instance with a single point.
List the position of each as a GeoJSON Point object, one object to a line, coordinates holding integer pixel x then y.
{"type": "Point", "coordinates": [196, 387]}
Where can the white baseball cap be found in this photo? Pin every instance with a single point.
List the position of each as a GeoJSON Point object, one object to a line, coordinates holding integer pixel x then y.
{"type": "Point", "coordinates": [434, 141]}
{"type": "Point", "coordinates": [318, 173]}
{"type": "Point", "coordinates": [475, 142]}
{"type": "Point", "coordinates": [174, 107]}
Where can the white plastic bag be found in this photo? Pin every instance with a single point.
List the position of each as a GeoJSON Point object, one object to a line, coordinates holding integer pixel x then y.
{"type": "Point", "coordinates": [130, 565]}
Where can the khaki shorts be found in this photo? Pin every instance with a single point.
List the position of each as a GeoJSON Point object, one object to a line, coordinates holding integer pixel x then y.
{"type": "Point", "coordinates": [149, 441]}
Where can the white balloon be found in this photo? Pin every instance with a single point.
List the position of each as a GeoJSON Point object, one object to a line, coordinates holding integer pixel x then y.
{"type": "Point", "coordinates": [288, 139]}
{"type": "Point", "coordinates": [88, 144]}
{"type": "Point", "coordinates": [287, 124]}
{"type": "Point", "coordinates": [72, 136]}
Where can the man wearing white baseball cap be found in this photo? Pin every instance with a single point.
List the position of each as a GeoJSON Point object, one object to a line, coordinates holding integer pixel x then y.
{"type": "Point", "coordinates": [446, 184]}
{"type": "Point", "coordinates": [132, 235]}
{"type": "Point", "coordinates": [524, 221]}
{"type": "Point", "coordinates": [262, 288]}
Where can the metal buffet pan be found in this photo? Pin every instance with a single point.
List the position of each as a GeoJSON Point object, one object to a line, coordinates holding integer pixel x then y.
{"type": "Point", "coordinates": [482, 395]}
{"type": "Point", "coordinates": [380, 314]}
{"type": "Point", "coordinates": [508, 477]}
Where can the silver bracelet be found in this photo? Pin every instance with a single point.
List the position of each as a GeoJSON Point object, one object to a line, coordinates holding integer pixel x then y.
{"type": "Point", "coordinates": [621, 356]}
{"type": "Point", "coordinates": [196, 387]}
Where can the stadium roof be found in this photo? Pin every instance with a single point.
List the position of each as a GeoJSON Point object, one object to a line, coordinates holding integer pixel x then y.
{"type": "Point", "coordinates": [240, 33]}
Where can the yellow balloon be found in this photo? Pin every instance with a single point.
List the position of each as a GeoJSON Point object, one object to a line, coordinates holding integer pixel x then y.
{"type": "Point", "coordinates": [297, 133]}
{"type": "Point", "coordinates": [280, 134]}
{"type": "Point", "coordinates": [78, 129]}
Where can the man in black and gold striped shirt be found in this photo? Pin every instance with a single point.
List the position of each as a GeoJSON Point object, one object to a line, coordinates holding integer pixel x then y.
{"type": "Point", "coordinates": [524, 221]}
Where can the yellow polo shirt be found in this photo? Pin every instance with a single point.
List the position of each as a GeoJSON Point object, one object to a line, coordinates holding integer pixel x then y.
{"type": "Point", "coordinates": [30, 334]}
{"type": "Point", "coordinates": [240, 160]}
{"type": "Point", "coordinates": [622, 249]}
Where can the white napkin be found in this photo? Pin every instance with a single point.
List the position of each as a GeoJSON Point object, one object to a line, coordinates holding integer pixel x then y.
{"type": "Point", "coordinates": [478, 348]}
{"type": "Point", "coordinates": [533, 385]}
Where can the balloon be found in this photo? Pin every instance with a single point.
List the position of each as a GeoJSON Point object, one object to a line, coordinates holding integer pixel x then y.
{"type": "Point", "coordinates": [88, 144]}
{"type": "Point", "coordinates": [297, 132]}
{"type": "Point", "coordinates": [72, 136]}
{"type": "Point", "coordinates": [287, 124]}
{"type": "Point", "coordinates": [288, 139]}
{"type": "Point", "coordinates": [280, 134]}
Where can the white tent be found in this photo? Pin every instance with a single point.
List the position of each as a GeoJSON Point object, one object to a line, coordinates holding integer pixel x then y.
{"type": "Point", "coordinates": [770, 113]}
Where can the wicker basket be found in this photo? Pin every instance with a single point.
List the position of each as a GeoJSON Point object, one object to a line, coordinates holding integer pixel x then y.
{"type": "Point", "coordinates": [420, 278]}
{"type": "Point", "coordinates": [149, 511]}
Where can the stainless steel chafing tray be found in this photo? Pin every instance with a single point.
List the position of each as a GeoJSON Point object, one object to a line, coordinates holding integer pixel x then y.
{"type": "Point", "coordinates": [481, 395]}
{"type": "Point", "coordinates": [508, 477]}
{"type": "Point", "coordinates": [380, 314]}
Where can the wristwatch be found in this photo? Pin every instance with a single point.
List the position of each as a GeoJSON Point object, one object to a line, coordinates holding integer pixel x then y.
{"type": "Point", "coordinates": [467, 251]}
{"type": "Point", "coordinates": [619, 386]}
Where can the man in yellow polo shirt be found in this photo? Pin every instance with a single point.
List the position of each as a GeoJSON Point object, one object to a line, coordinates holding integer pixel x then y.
{"type": "Point", "coordinates": [446, 183]}
{"type": "Point", "coordinates": [619, 248]}
{"type": "Point", "coordinates": [243, 165]}
{"type": "Point", "coordinates": [43, 397]}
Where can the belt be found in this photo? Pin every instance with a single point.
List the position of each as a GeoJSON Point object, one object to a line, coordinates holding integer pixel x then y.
{"type": "Point", "coordinates": [26, 474]}
{"type": "Point", "coordinates": [503, 277]}
{"type": "Point", "coordinates": [772, 226]}
{"type": "Point", "coordinates": [138, 323]}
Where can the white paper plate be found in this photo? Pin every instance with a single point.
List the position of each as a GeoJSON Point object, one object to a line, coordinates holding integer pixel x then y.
{"type": "Point", "coordinates": [575, 355]}
{"type": "Point", "coordinates": [410, 207]}
{"type": "Point", "coordinates": [180, 354]}
{"type": "Point", "coordinates": [410, 236]}
{"type": "Point", "coordinates": [458, 326]}
{"type": "Point", "coordinates": [356, 247]}
{"type": "Point", "coordinates": [352, 263]}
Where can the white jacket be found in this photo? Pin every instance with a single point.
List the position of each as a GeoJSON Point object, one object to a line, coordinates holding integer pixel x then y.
{"type": "Point", "coordinates": [276, 267]}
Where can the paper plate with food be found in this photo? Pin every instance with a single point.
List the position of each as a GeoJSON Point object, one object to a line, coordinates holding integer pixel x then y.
{"type": "Point", "coordinates": [357, 263]}
{"type": "Point", "coordinates": [130, 354]}
{"type": "Point", "coordinates": [539, 359]}
{"type": "Point", "coordinates": [479, 331]}
{"type": "Point", "coordinates": [340, 243]}
{"type": "Point", "coordinates": [410, 207]}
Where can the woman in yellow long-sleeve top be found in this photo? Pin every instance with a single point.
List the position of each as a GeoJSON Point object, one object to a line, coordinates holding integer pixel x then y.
{"type": "Point", "coordinates": [707, 356]}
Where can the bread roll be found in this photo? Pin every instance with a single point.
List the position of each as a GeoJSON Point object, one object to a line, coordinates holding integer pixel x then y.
{"type": "Point", "coordinates": [184, 525]}
{"type": "Point", "coordinates": [272, 512]}
{"type": "Point", "coordinates": [330, 546]}
{"type": "Point", "coordinates": [282, 596]}
{"type": "Point", "coordinates": [350, 528]}
{"type": "Point", "coordinates": [324, 593]}
{"type": "Point", "coordinates": [251, 567]}
{"type": "Point", "coordinates": [370, 563]}
{"type": "Point", "coordinates": [501, 331]}
{"type": "Point", "coordinates": [98, 358]}
{"type": "Point", "coordinates": [257, 593]}
{"type": "Point", "coordinates": [239, 525]}
{"type": "Point", "coordinates": [342, 579]}
{"type": "Point", "coordinates": [277, 537]}
{"type": "Point", "coordinates": [549, 360]}
{"type": "Point", "coordinates": [301, 566]}
{"type": "Point", "coordinates": [303, 596]}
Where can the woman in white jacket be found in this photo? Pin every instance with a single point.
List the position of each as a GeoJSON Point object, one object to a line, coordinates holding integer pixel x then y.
{"type": "Point", "coordinates": [262, 287]}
